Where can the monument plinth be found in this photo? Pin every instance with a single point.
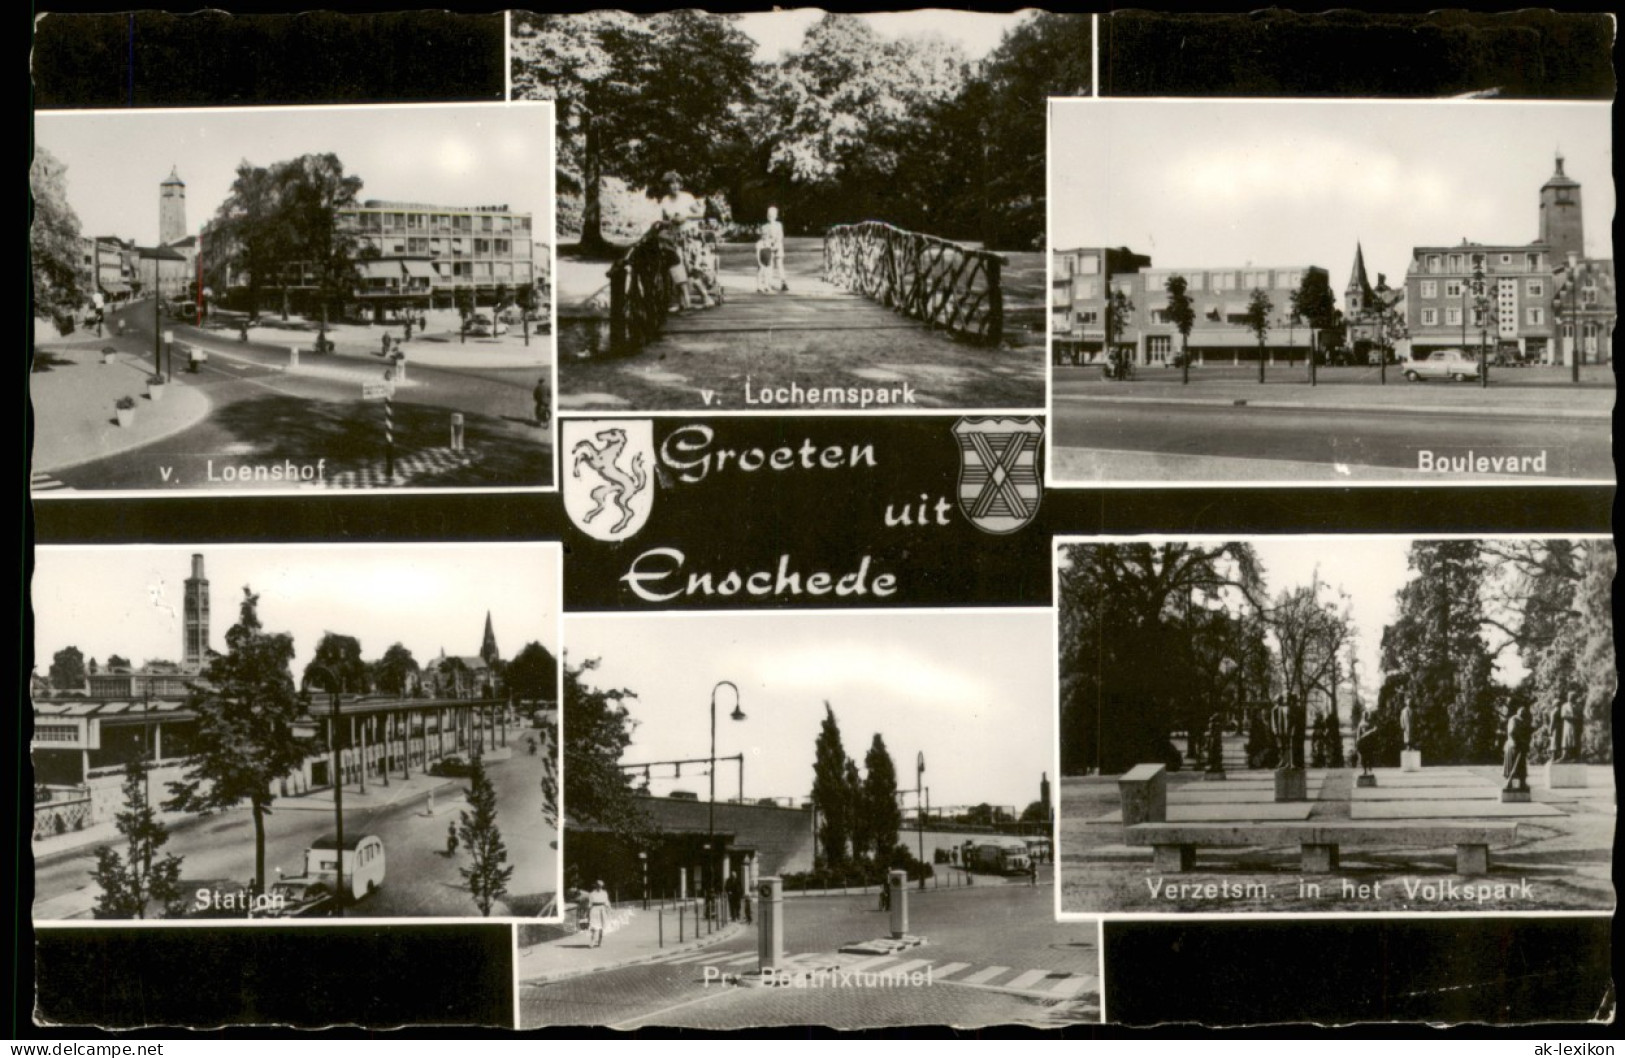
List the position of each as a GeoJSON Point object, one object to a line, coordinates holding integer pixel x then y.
{"type": "Point", "coordinates": [1410, 760]}
{"type": "Point", "coordinates": [1291, 784]}
{"type": "Point", "coordinates": [1514, 797]}
{"type": "Point", "coordinates": [1561, 776]}
{"type": "Point", "coordinates": [1365, 780]}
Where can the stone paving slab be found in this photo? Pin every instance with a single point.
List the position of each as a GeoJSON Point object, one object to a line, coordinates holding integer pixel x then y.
{"type": "Point", "coordinates": [1421, 793]}
{"type": "Point", "coordinates": [1220, 813]}
{"type": "Point", "coordinates": [1222, 793]}
{"type": "Point", "coordinates": [1449, 810]}
{"type": "Point", "coordinates": [1429, 777]}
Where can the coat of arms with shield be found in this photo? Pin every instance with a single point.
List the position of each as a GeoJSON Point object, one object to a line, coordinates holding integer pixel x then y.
{"type": "Point", "coordinates": [999, 482]}
{"type": "Point", "coordinates": [608, 490]}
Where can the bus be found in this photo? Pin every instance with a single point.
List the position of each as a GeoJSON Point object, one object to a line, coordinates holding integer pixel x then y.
{"type": "Point", "coordinates": [997, 855]}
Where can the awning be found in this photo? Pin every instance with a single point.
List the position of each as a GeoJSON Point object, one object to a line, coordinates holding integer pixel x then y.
{"type": "Point", "coordinates": [379, 269]}
{"type": "Point", "coordinates": [116, 288]}
{"type": "Point", "coordinates": [419, 269]}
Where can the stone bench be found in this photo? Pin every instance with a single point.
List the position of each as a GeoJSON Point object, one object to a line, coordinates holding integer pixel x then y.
{"type": "Point", "coordinates": [1143, 791]}
{"type": "Point", "coordinates": [1175, 844]}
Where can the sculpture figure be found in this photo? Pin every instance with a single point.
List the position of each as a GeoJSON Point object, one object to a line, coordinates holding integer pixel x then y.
{"type": "Point", "coordinates": [1515, 764]}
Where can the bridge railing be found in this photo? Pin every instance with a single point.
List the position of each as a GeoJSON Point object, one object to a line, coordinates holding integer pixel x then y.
{"type": "Point", "coordinates": [938, 282]}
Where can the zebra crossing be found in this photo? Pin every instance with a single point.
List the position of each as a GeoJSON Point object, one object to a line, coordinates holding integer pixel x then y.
{"type": "Point", "coordinates": [424, 463]}
{"type": "Point", "coordinates": [39, 481]}
{"type": "Point", "coordinates": [1054, 985]}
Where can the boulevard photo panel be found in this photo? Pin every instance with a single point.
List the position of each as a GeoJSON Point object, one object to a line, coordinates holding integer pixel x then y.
{"type": "Point", "coordinates": [1320, 292]}
{"type": "Point", "coordinates": [1335, 725]}
{"type": "Point", "coordinates": [293, 299]}
{"type": "Point", "coordinates": [838, 819]}
{"type": "Point", "coordinates": [295, 735]}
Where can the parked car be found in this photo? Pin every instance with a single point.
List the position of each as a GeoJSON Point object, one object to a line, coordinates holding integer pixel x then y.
{"type": "Point", "coordinates": [482, 326]}
{"type": "Point", "coordinates": [451, 767]}
{"type": "Point", "coordinates": [1453, 364]}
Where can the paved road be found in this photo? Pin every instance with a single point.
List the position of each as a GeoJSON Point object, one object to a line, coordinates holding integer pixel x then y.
{"type": "Point", "coordinates": [1375, 438]}
{"type": "Point", "coordinates": [420, 879]}
{"type": "Point", "coordinates": [995, 954]}
{"type": "Point", "coordinates": [261, 415]}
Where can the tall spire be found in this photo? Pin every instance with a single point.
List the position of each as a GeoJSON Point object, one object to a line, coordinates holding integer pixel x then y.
{"type": "Point", "coordinates": [1358, 294]}
{"type": "Point", "coordinates": [488, 648]}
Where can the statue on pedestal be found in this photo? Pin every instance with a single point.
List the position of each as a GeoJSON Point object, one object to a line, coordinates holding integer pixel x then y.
{"type": "Point", "coordinates": [1214, 744]}
{"type": "Point", "coordinates": [1573, 718]}
{"type": "Point", "coordinates": [1554, 730]}
{"type": "Point", "coordinates": [1405, 733]}
{"type": "Point", "coordinates": [1365, 741]}
{"type": "Point", "coordinates": [1515, 765]}
{"type": "Point", "coordinates": [1286, 725]}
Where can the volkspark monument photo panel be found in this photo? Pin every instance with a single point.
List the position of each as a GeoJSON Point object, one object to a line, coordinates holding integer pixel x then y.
{"type": "Point", "coordinates": [839, 819]}
{"type": "Point", "coordinates": [1331, 292]}
{"type": "Point", "coordinates": [1335, 725]}
{"type": "Point", "coordinates": [293, 299]}
{"type": "Point", "coordinates": [295, 735]}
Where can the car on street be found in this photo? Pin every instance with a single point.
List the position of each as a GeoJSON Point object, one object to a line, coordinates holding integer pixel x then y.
{"type": "Point", "coordinates": [1454, 364]}
{"type": "Point", "coordinates": [298, 898]}
{"type": "Point", "coordinates": [482, 326]}
{"type": "Point", "coordinates": [451, 767]}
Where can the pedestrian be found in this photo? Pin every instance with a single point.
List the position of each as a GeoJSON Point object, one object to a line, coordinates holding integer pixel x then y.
{"type": "Point", "coordinates": [598, 908]}
{"type": "Point", "coordinates": [539, 397]}
{"type": "Point", "coordinates": [770, 255]}
{"type": "Point", "coordinates": [408, 330]}
{"type": "Point", "coordinates": [1032, 872]}
{"type": "Point", "coordinates": [885, 892]}
{"type": "Point", "coordinates": [386, 344]}
{"type": "Point", "coordinates": [736, 894]}
{"type": "Point", "coordinates": [451, 839]}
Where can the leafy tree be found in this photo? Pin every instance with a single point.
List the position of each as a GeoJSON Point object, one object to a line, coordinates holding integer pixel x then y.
{"type": "Point", "coordinates": [1119, 313]}
{"type": "Point", "coordinates": [1576, 657]}
{"type": "Point", "coordinates": [131, 883]}
{"type": "Point", "coordinates": [532, 675]}
{"type": "Point", "coordinates": [548, 750]}
{"type": "Point", "coordinates": [1182, 314]}
{"type": "Point", "coordinates": [393, 672]}
{"type": "Point", "coordinates": [54, 255]}
{"type": "Point", "coordinates": [1141, 645]}
{"type": "Point", "coordinates": [284, 216]}
{"type": "Point", "coordinates": [488, 872]}
{"type": "Point", "coordinates": [341, 656]}
{"type": "Point", "coordinates": [1310, 631]}
{"type": "Point", "coordinates": [1314, 303]}
{"type": "Point", "coordinates": [1257, 320]}
{"type": "Point", "coordinates": [525, 296]}
{"type": "Point", "coordinates": [881, 816]}
{"type": "Point", "coordinates": [244, 741]}
{"type": "Point", "coordinates": [117, 663]}
{"type": "Point", "coordinates": [831, 791]}
{"type": "Point", "coordinates": [1034, 813]}
{"type": "Point", "coordinates": [615, 78]}
{"type": "Point", "coordinates": [68, 669]}
{"type": "Point", "coordinates": [1436, 644]}
{"type": "Point", "coordinates": [597, 730]}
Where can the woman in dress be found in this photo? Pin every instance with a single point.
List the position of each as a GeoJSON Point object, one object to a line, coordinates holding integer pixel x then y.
{"type": "Point", "coordinates": [597, 913]}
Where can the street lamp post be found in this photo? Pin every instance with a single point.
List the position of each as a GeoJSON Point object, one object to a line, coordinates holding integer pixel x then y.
{"type": "Point", "coordinates": [711, 812]}
{"type": "Point", "coordinates": [338, 779]}
{"type": "Point", "coordinates": [919, 810]}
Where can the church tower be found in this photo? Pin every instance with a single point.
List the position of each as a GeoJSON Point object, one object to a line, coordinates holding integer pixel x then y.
{"type": "Point", "coordinates": [488, 648]}
{"type": "Point", "coordinates": [171, 209]}
{"type": "Point", "coordinates": [1357, 296]}
{"type": "Point", "coordinates": [195, 635]}
{"type": "Point", "coordinates": [1561, 225]}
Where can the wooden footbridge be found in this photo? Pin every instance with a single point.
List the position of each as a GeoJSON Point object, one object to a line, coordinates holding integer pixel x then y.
{"type": "Point", "coordinates": [875, 277]}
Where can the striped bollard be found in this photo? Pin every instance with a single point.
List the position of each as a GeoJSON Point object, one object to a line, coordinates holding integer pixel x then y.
{"type": "Point", "coordinates": [389, 427]}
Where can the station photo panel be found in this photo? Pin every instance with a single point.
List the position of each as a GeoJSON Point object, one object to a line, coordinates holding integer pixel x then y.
{"type": "Point", "coordinates": [1319, 292]}
{"type": "Point", "coordinates": [293, 300]}
{"type": "Point", "coordinates": [295, 735]}
{"type": "Point", "coordinates": [1335, 725]}
{"type": "Point", "coordinates": [812, 819]}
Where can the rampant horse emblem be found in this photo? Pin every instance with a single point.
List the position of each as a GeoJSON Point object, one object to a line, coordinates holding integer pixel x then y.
{"type": "Point", "coordinates": [999, 483]}
{"type": "Point", "coordinates": [607, 492]}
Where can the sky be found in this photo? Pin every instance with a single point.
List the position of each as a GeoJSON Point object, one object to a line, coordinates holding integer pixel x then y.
{"type": "Point", "coordinates": [469, 155]}
{"type": "Point", "coordinates": [129, 600]}
{"type": "Point", "coordinates": [1298, 183]}
{"type": "Point", "coordinates": [972, 691]}
{"type": "Point", "coordinates": [777, 33]}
